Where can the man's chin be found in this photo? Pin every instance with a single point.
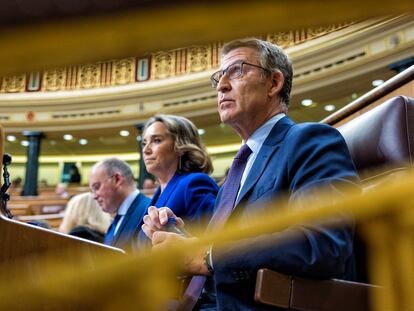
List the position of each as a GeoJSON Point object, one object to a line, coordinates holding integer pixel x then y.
{"type": "Point", "coordinates": [228, 121]}
{"type": "Point", "coordinates": [225, 118]}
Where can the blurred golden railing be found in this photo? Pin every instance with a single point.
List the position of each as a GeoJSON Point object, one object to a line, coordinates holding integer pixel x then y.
{"type": "Point", "coordinates": [154, 27]}
{"type": "Point", "coordinates": [386, 216]}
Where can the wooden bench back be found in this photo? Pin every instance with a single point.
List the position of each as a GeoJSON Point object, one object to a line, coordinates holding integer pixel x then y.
{"type": "Point", "coordinates": [37, 205]}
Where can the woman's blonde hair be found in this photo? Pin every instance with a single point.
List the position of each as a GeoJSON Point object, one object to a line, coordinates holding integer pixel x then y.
{"type": "Point", "coordinates": [187, 143]}
{"type": "Point", "coordinates": [83, 210]}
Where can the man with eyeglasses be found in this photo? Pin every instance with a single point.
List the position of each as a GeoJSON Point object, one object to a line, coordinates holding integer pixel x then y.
{"type": "Point", "coordinates": [277, 157]}
{"type": "Point", "coordinates": [113, 186]}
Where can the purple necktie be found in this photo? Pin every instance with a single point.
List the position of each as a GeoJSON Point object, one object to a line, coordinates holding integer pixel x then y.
{"type": "Point", "coordinates": [223, 210]}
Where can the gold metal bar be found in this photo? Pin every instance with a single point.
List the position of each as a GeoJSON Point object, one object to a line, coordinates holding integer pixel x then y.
{"type": "Point", "coordinates": [381, 264]}
{"type": "Point", "coordinates": [137, 32]}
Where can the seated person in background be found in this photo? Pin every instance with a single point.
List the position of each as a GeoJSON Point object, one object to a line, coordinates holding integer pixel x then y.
{"type": "Point", "coordinates": [148, 186]}
{"type": "Point", "coordinates": [174, 154]}
{"type": "Point", "coordinates": [113, 187]}
{"type": "Point", "coordinates": [277, 157]}
{"type": "Point", "coordinates": [74, 175]}
{"type": "Point", "coordinates": [16, 186]}
{"type": "Point", "coordinates": [16, 183]}
{"type": "Point", "coordinates": [84, 218]}
{"type": "Point", "coordinates": [43, 183]}
{"type": "Point", "coordinates": [61, 190]}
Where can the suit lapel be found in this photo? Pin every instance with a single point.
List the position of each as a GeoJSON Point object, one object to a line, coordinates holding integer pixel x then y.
{"type": "Point", "coordinates": [155, 196]}
{"type": "Point", "coordinates": [160, 199]}
{"type": "Point", "coordinates": [270, 146]}
{"type": "Point", "coordinates": [166, 194]}
{"type": "Point", "coordinates": [127, 217]}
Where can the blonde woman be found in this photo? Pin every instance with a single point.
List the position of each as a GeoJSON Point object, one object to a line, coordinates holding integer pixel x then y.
{"type": "Point", "coordinates": [84, 218]}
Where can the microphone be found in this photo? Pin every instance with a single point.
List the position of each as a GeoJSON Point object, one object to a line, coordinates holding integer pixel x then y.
{"type": "Point", "coordinates": [6, 176]}
{"type": "Point", "coordinates": [7, 159]}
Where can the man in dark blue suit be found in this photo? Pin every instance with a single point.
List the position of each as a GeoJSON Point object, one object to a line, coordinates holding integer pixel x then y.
{"type": "Point", "coordinates": [277, 157]}
{"type": "Point", "coordinates": [113, 187]}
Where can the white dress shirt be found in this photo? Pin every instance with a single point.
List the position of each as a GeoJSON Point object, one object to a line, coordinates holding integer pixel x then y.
{"type": "Point", "coordinates": [123, 209]}
{"type": "Point", "coordinates": [255, 142]}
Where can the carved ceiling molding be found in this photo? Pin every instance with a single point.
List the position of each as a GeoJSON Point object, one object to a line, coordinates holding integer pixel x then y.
{"type": "Point", "coordinates": [160, 65]}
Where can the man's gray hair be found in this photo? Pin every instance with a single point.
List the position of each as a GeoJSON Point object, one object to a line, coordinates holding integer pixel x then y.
{"type": "Point", "coordinates": [115, 165]}
{"type": "Point", "coordinates": [272, 57]}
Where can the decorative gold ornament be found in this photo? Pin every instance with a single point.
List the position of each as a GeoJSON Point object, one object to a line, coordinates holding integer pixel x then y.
{"type": "Point", "coordinates": [89, 76]}
{"type": "Point", "coordinates": [199, 58]}
{"type": "Point", "coordinates": [13, 84]}
{"type": "Point", "coordinates": [163, 65]}
{"type": "Point", "coordinates": [123, 71]}
{"type": "Point", "coordinates": [54, 80]}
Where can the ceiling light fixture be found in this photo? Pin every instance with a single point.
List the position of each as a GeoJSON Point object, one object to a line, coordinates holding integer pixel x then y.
{"type": "Point", "coordinates": [201, 131]}
{"type": "Point", "coordinates": [124, 133]}
{"type": "Point", "coordinates": [307, 102]}
{"type": "Point", "coordinates": [11, 138]}
{"type": "Point", "coordinates": [83, 141]}
{"type": "Point", "coordinates": [24, 143]}
{"type": "Point", "coordinates": [67, 137]}
{"type": "Point", "coordinates": [329, 107]}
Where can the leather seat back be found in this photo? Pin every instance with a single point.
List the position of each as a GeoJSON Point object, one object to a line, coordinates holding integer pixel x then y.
{"type": "Point", "coordinates": [381, 143]}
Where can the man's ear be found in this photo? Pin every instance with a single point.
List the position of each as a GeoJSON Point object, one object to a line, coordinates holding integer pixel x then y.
{"type": "Point", "coordinates": [277, 81]}
{"type": "Point", "coordinates": [118, 178]}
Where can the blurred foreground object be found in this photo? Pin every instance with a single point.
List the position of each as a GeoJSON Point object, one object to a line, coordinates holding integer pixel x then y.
{"type": "Point", "coordinates": [44, 35]}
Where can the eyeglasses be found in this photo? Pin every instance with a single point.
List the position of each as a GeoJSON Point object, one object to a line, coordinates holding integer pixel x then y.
{"type": "Point", "coordinates": [233, 71]}
{"type": "Point", "coordinates": [96, 186]}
